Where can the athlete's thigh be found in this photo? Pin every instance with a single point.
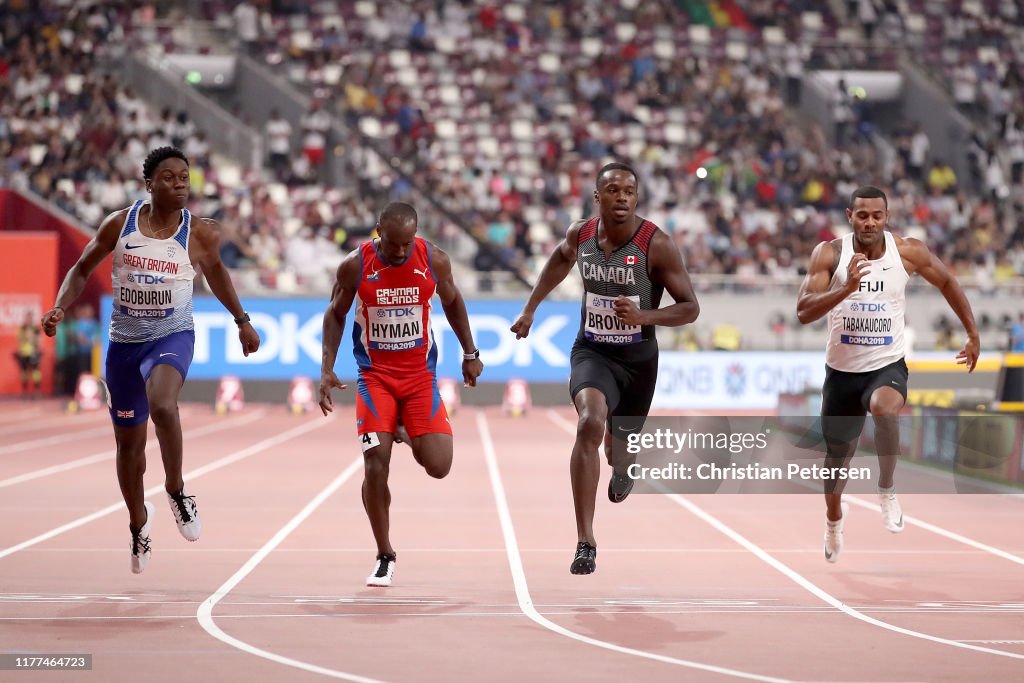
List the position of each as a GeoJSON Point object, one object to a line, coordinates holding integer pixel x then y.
{"type": "Point", "coordinates": [165, 365]}
{"type": "Point", "coordinates": [126, 387]}
{"type": "Point", "coordinates": [842, 413]}
{"type": "Point", "coordinates": [435, 448]}
{"type": "Point", "coordinates": [376, 406]}
{"type": "Point", "coordinates": [637, 395]}
{"type": "Point", "coordinates": [889, 381]}
{"type": "Point", "coordinates": [421, 407]}
{"type": "Point", "coordinates": [588, 369]}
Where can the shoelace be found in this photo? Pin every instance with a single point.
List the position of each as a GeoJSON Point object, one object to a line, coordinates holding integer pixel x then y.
{"type": "Point", "coordinates": [584, 549]}
{"type": "Point", "coordinates": [183, 510]}
{"type": "Point", "coordinates": [383, 561]}
{"type": "Point", "coordinates": [140, 544]}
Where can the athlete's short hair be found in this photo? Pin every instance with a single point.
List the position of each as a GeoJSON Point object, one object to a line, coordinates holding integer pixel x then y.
{"type": "Point", "coordinates": [616, 166]}
{"type": "Point", "coordinates": [398, 211]}
{"type": "Point", "coordinates": [868, 192]}
{"type": "Point", "coordinates": [159, 155]}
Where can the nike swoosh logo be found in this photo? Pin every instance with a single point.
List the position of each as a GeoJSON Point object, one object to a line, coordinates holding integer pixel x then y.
{"type": "Point", "coordinates": [167, 354]}
{"type": "Point", "coordinates": [828, 555]}
{"type": "Point", "coordinates": [582, 255]}
{"type": "Point", "coordinates": [889, 268]}
{"type": "Point", "coordinates": [134, 246]}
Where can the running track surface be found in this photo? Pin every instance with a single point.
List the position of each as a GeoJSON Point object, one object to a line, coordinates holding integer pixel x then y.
{"type": "Point", "coordinates": [697, 588]}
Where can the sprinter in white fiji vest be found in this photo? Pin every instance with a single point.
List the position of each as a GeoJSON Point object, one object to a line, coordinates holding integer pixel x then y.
{"type": "Point", "coordinates": [859, 281]}
{"type": "Point", "coordinates": [626, 263]}
{"type": "Point", "coordinates": [157, 247]}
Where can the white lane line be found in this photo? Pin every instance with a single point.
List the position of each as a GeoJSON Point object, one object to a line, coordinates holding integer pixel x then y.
{"type": "Point", "coordinates": [814, 589]}
{"type": "Point", "coordinates": [567, 425]}
{"type": "Point", "coordinates": [523, 591]}
{"type": "Point", "coordinates": [151, 447]}
{"type": "Point", "coordinates": [805, 583]}
{"type": "Point", "coordinates": [952, 535]}
{"type": "Point", "coordinates": [159, 489]}
{"type": "Point", "coordinates": [571, 428]}
{"type": "Point", "coordinates": [18, 415]}
{"type": "Point", "coordinates": [205, 611]}
{"type": "Point", "coordinates": [53, 440]}
{"type": "Point", "coordinates": [26, 424]}
{"type": "Point", "coordinates": [604, 551]}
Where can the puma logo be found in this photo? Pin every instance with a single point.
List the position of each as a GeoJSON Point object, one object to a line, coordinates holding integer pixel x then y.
{"type": "Point", "coordinates": [420, 272]}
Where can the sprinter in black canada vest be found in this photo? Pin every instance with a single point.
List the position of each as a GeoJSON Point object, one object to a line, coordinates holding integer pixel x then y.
{"type": "Point", "coordinates": [859, 282]}
{"type": "Point", "coordinates": [626, 263]}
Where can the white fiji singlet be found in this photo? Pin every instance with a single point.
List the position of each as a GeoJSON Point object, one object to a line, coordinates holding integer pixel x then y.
{"type": "Point", "coordinates": [865, 330]}
{"type": "Point", "coordinates": [152, 282]}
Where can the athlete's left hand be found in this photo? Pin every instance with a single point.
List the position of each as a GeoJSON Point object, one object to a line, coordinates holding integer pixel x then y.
{"type": "Point", "coordinates": [249, 337]}
{"type": "Point", "coordinates": [471, 369]}
{"type": "Point", "coordinates": [627, 311]}
{"type": "Point", "coordinates": [969, 354]}
{"type": "Point", "coordinates": [328, 381]}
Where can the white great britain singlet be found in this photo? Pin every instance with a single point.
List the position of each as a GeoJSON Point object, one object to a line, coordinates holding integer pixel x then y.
{"type": "Point", "coordinates": [152, 282]}
{"type": "Point", "coordinates": [865, 330]}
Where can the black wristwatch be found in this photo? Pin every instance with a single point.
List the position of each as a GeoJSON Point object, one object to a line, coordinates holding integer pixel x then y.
{"type": "Point", "coordinates": [471, 356]}
{"type": "Point", "coordinates": [242, 319]}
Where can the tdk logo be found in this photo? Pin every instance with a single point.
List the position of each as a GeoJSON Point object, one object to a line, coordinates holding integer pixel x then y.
{"type": "Point", "coordinates": [396, 312]}
{"type": "Point", "coordinates": [146, 278]}
{"type": "Point", "coordinates": [867, 308]}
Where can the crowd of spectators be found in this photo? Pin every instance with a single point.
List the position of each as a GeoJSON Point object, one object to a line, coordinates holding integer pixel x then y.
{"type": "Point", "coordinates": [504, 112]}
{"type": "Point", "coordinates": [73, 134]}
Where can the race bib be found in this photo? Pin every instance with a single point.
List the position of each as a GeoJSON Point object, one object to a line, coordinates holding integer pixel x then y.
{"type": "Point", "coordinates": [394, 328]}
{"type": "Point", "coordinates": [866, 324]}
{"type": "Point", "coordinates": [368, 441]}
{"type": "Point", "coordinates": [139, 302]}
{"type": "Point", "coordinates": [602, 325]}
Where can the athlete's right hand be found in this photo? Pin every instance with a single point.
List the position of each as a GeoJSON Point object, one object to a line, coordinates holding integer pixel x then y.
{"type": "Point", "coordinates": [50, 320]}
{"type": "Point", "coordinates": [522, 325]}
{"type": "Point", "coordinates": [328, 381]}
{"type": "Point", "coordinates": [858, 268]}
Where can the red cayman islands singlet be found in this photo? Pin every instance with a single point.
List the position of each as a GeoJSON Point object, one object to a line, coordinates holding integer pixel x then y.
{"type": "Point", "coordinates": [394, 346]}
{"type": "Point", "coordinates": [392, 320]}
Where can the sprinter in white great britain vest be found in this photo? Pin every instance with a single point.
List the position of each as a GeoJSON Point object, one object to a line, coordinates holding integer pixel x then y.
{"type": "Point", "coordinates": [157, 246]}
{"type": "Point", "coordinates": [625, 262]}
{"type": "Point", "coordinates": [859, 282]}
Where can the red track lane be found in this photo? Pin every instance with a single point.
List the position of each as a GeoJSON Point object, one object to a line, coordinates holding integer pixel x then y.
{"type": "Point", "coordinates": [792, 523]}
{"type": "Point", "coordinates": [668, 582]}
{"type": "Point", "coordinates": [453, 608]}
{"type": "Point", "coordinates": [56, 499]}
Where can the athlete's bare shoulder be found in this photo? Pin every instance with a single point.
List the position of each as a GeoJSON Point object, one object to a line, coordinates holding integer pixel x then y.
{"type": "Point", "coordinates": [111, 227]}
{"type": "Point", "coordinates": [574, 229]}
{"type": "Point", "coordinates": [349, 268]}
{"type": "Point", "coordinates": [116, 218]}
{"type": "Point", "coordinates": [837, 253]}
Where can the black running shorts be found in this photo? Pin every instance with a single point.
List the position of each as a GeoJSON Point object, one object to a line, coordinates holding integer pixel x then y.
{"type": "Point", "coordinates": [848, 394]}
{"type": "Point", "coordinates": [628, 387]}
